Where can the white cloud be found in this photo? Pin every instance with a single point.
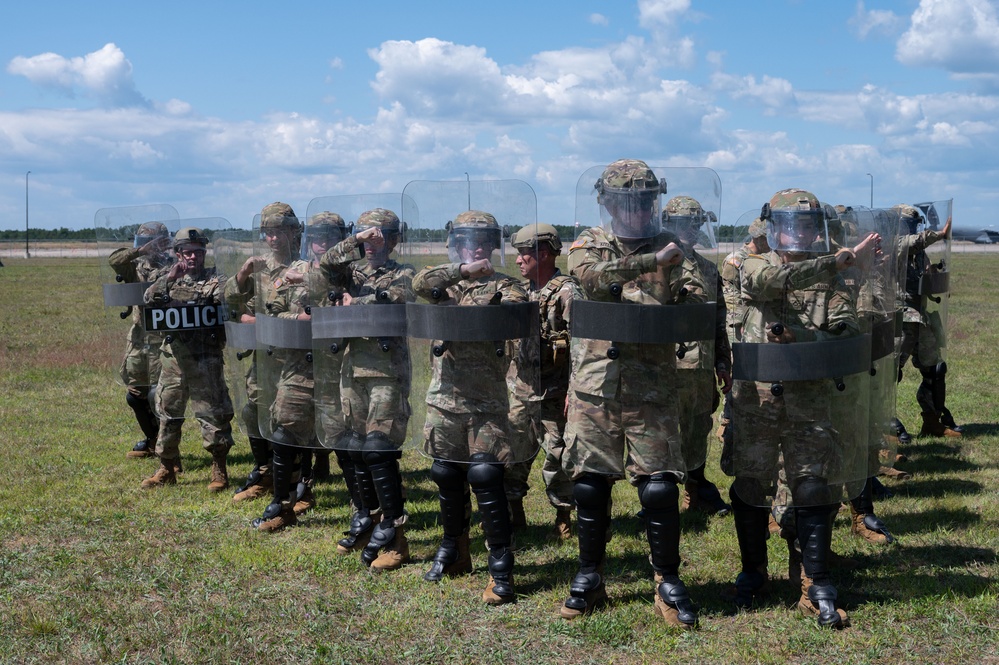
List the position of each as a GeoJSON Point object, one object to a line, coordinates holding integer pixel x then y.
{"type": "Point", "coordinates": [104, 75]}
{"type": "Point", "coordinates": [776, 95]}
{"type": "Point", "coordinates": [865, 23]}
{"type": "Point", "coordinates": [598, 19]}
{"type": "Point", "coordinates": [959, 36]}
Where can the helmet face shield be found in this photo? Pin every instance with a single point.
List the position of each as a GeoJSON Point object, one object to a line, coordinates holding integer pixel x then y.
{"type": "Point", "coordinates": [467, 244]}
{"type": "Point", "coordinates": [798, 231]}
{"type": "Point", "coordinates": [632, 214]}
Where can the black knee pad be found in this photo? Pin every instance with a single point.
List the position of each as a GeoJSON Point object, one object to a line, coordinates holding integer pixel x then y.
{"type": "Point", "coordinates": [136, 402]}
{"type": "Point", "coordinates": [378, 449]}
{"type": "Point", "coordinates": [355, 446]}
{"type": "Point", "coordinates": [282, 437]}
{"type": "Point", "coordinates": [483, 458]}
{"type": "Point", "coordinates": [940, 370]}
{"type": "Point", "coordinates": [591, 491]}
{"type": "Point", "coordinates": [811, 491]}
{"type": "Point", "coordinates": [485, 475]}
{"type": "Point", "coordinates": [448, 476]}
{"type": "Point", "coordinates": [658, 492]}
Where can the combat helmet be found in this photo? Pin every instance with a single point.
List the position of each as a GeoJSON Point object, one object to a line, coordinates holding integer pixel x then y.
{"type": "Point", "coordinates": [386, 220]}
{"type": "Point", "coordinates": [189, 235]}
{"type": "Point", "coordinates": [910, 216]}
{"type": "Point", "coordinates": [530, 236]}
{"type": "Point", "coordinates": [277, 214]}
{"type": "Point", "coordinates": [797, 216]}
{"type": "Point", "coordinates": [685, 218]}
{"type": "Point", "coordinates": [628, 191]}
{"type": "Point", "coordinates": [148, 232]}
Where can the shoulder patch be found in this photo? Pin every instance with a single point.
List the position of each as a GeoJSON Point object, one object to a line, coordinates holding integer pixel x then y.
{"type": "Point", "coordinates": [580, 242]}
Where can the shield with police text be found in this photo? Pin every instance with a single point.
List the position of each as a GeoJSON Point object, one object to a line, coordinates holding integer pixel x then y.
{"type": "Point", "coordinates": [473, 329]}
{"type": "Point", "coordinates": [233, 252]}
{"type": "Point", "coordinates": [802, 370]}
{"type": "Point", "coordinates": [360, 286]}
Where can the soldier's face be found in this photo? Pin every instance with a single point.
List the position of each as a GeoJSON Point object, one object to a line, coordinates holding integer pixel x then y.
{"type": "Point", "coordinates": [192, 257]}
{"type": "Point", "coordinates": [279, 240]}
{"type": "Point", "coordinates": [475, 246]}
{"type": "Point", "coordinates": [527, 262]}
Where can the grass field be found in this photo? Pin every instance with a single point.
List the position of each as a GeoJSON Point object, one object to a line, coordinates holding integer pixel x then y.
{"type": "Point", "coordinates": [95, 570]}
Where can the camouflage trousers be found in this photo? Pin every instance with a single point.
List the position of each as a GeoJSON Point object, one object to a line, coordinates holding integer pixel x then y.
{"type": "Point", "coordinates": [294, 409]}
{"type": "Point", "coordinates": [537, 425]}
{"type": "Point", "coordinates": [615, 438]}
{"type": "Point", "coordinates": [199, 380]}
{"type": "Point", "coordinates": [140, 366]}
{"type": "Point", "coordinates": [377, 404]}
{"type": "Point", "coordinates": [455, 437]}
{"type": "Point", "coordinates": [698, 400]}
{"type": "Point", "coordinates": [920, 343]}
{"type": "Point", "coordinates": [330, 419]}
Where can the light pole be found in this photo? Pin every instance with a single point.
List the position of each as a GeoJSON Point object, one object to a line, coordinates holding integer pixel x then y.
{"type": "Point", "coordinates": [26, 255]}
{"type": "Point", "coordinates": [872, 190]}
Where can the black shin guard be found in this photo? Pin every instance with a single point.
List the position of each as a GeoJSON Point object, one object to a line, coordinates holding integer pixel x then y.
{"type": "Point", "coordinates": [815, 538]}
{"type": "Point", "coordinates": [751, 529]}
{"type": "Point", "coordinates": [486, 478]}
{"type": "Point", "coordinates": [144, 416]}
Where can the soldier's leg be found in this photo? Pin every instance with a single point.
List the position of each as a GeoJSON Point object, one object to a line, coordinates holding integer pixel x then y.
{"type": "Point", "coordinates": [865, 524]}
{"type": "Point", "coordinates": [558, 485]}
{"type": "Point", "coordinates": [658, 495]}
{"type": "Point", "coordinates": [285, 467]}
{"type": "Point", "coordinates": [171, 402]}
{"type": "Point", "coordinates": [260, 480]}
{"type": "Point", "coordinates": [138, 400]}
{"type": "Point", "coordinates": [814, 513]}
{"type": "Point", "coordinates": [592, 495]}
{"type": "Point", "coordinates": [452, 557]}
{"type": "Point", "coordinates": [361, 524]}
{"type": "Point", "coordinates": [523, 433]}
{"type": "Point", "coordinates": [485, 476]}
{"type": "Point", "coordinates": [213, 409]}
{"type": "Point", "coordinates": [382, 459]}
{"type": "Point", "coordinates": [751, 528]}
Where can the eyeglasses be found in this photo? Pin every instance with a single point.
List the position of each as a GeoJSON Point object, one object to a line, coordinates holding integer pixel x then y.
{"type": "Point", "coordinates": [190, 252]}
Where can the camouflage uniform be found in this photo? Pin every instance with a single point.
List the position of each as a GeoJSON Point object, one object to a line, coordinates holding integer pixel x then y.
{"type": "Point", "coordinates": [467, 426]}
{"type": "Point", "coordinates": [920, 341]}
{"type": "Point", "coordinates": [622, 404]}
{"type": "Point", "coordinates": [140, 366]}
{"type": "Point", "coordinates": [191, 370]}
{"type": "Point", "coordinates": [376, 378]}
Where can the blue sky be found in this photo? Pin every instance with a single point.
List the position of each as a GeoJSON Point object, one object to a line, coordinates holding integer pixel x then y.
{"type": "Point", "coordinates": [221, 108]}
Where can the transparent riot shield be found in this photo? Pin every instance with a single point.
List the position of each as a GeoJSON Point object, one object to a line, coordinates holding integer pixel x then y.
{"type": "Point", "coordinates": [232, 249]}
{"type": "Point", "coordinates": [361, 284]}
{"type": "Point", "coordinates": [879, 308]}
{"type": "Point", "coordinates": [185, 306]}
{"type": "Point", "coordinates": [934, 285]}
{"type": "Point", "coordinates": [469, 332]}
{"type": "Point", "coordinates": [636, 324]}
{"type": "Point", "coordinates": [691, 216]}
{"type": "Point", "coordinates": [801, 375]}
{"type": "Point", "coordinates": [281, 303]}
{"type": "Point", "coordinates": [130, 261]}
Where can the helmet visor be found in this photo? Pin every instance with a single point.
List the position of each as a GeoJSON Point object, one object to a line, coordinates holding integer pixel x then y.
{"type": "Point", "coordinates": [632, 214]}
{"type": "Point", "coordinates": [467, 244]}
{"type": "Point", "coordinates": [798, 231]}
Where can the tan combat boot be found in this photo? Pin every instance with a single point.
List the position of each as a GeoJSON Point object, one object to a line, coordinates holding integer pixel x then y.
{"type": "Point", "coordinates": [870, 528]}
{"type": "Point", "coordinates": [395, 554]}
{"type": "Point", "coordinates": [499, 590]}
{"type": "Point", "coordinates": [220, 474]}
{"type": "Point", "coordinates": [263, 487]}
{"type": "Point", "coordinates": [586, 592]}
{"type": "Point", "coordinates": [277, 516]}
{"type": "Point", "coordinates": [933, 427]}
{"type": "Point", "coordinates": [307, 501]}
{"type": "Point", "coordinates": [563, 523]}
{"type": "Point", "coordinates": [142, 449]}
{"type": "Point", "coordinates": [820, 602]}
{"type": "Point", "coordinates": [672, 603]}
{"type": "Point", "coordinates": [164, 475]}
{"type": "Point", "coordinates": [443, 567]}
{"type": "Point", "coordinates": [892, 472]}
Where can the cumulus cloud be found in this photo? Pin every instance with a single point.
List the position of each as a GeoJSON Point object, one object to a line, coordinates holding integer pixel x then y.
{"type": "Point", "coordinates": [598, 19]}
{"type": "Point", "coordinates": [775, 95]}
{"type": "Point", "coordinates": [866, 23]}
{"type": "Point", "coordinates": [959, 36]}
{"type": "Point", "coordinates": [104, 75]}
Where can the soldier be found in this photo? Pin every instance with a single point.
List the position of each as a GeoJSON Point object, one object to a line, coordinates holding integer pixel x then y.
{"type": "Point", "coordinates": [786, 421]}
{"type": "Point", "coordinates": [703, 362]}
{"type": "Point", "coordinates": [538, 402]}
{"type": "Point", "coordinates": [919, 339]}
{"type": "Point", "coordinates": [191, 359]}
{"type": "Point", "coordinates": [467, 429]}
{"type": "Point", "coordinates": [376, 379]}
{"type": "Point", "coordinates": [140, 368]}
{"type": "Point", "coordinates": [622, 402]}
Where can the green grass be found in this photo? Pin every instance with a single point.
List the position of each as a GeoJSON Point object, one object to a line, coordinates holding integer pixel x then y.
{"type": "Point", "coordinates": [95, 570]}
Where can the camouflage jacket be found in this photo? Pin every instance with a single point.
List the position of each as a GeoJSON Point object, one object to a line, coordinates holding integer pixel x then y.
{"type": "Point", "coordinates": [389, 284]}
{"type": "Point", "coordinates": [731, 268]}
{"type": "Point", "coordinates": [132, 265]}
{"type": "Point", "coordinates": [912, 255]}
{"type": "Point", "coordinates": [469, 377]}
{"type": "Point", "coordinates": [542, 369]}
{"type": "Point", "coordinates": [716, 353]}
{"type": "Point", "coordinates": [644, 372]}
{"type": "Point", "coordinates": [810, 299]}
{"type": "Point", "coordinates": [204, 289]}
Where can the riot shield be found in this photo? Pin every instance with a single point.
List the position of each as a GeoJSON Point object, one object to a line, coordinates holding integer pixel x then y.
{"type": "Point", "coordinates": [632, 329]}
{"type": "Point", "coordinates": [934, 284]}
{"type": "Point", "coordinates": [281, 303]}
{"type": "Point", "coordinates": [360, 351]}
{"type": "Point", "coordinates": [691, 216]}
{"type": "Point", "coordinates": [232, 248]}
{"type": "Point", "coordinates": [185, 306]}
{"type": "Point", "coordinates": [130, 261]}
{"type": "Point", "coordinates": [469, 332]}
{"type": "Point", "coordinates": [801, 374]}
